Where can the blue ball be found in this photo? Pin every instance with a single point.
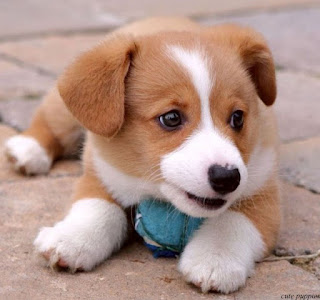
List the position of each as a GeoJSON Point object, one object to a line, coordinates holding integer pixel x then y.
{"type": "Point", "coordinates": [164, 228]}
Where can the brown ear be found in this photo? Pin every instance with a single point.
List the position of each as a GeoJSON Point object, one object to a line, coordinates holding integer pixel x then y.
{"type": "Point", "coordinates": [93, 86]}
{"type": "Point", "coordinates": [256, 57]}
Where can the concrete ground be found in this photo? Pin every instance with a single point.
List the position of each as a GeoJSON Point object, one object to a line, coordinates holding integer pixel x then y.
{"type": "Point", "coordinates": [38, 39]}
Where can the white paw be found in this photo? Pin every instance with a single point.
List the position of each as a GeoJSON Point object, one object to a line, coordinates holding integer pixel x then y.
{"type": "Point", "coordinates": [93, 229]}
{"type": "Point", "coordinates": [222, 253]}
{"type": "Point", "coordinates": [214, 272]}
{"type": "Point", "coordinates": [27, 155]}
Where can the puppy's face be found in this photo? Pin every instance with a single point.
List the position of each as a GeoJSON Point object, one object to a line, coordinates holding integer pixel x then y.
{"type": "Point", "coordinates": [190, 120]}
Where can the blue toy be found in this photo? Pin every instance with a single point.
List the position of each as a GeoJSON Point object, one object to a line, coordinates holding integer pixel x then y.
{"type": "Point", "coordinates": [165, 229]}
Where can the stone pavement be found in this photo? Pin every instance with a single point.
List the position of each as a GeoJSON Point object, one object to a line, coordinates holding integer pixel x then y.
{"type": "Point", "coordinates": [38, 39]}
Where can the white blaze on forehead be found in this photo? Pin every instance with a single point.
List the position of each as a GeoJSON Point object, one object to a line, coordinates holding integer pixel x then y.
{"type": "Point", "coordinates": [186, 168]}
{"type": "Point", "coordinates": [197, 65]}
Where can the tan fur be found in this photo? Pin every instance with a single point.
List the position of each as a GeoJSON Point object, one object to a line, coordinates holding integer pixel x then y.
{"type": "Point", "coordinates": [119, 88]}
{"type": "Point", "coordinates": [89, 186]}
{"type": "Point", "coordinates": [61, 122]}
{"type": "Point", "coordinates": [255, 54]}
{"type": "Point", "coordinates": [263, 210]}
{"type": "Point", "coordinates": [54, 127]}
{"type": "Point", "coordinates": [41, 131]}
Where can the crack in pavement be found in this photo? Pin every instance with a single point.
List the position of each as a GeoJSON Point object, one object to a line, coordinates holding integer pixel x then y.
{"type": "Point", "coordinates": [63, 33]}
{"type": "Point", "coordinates": [282, 68]}
{"type": "Point", "coordinates": [25, 65]}
{"type": "Point", "coordinates": [34, 178]}
{"type": "Point", "coordinates": [294, 140]}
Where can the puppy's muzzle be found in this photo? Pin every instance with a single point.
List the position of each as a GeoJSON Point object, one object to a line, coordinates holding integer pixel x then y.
{"type": "Point", "coordinates": [223, 180]}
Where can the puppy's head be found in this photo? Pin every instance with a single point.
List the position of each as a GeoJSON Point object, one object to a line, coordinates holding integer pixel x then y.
{"type": "Point", "coordinates": [182, 109]}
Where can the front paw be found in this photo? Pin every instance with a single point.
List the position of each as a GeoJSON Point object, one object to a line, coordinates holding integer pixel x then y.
{"type": "Point", "coordinates": [65, 248]}
{"type": "Point", "coordinates": [88, 235]}
{"type": "Point", "coordinates": [220, 273]}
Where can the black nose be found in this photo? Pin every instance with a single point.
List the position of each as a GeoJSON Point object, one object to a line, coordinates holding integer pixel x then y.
{"type": "Point", "coordinates": [223, 179]}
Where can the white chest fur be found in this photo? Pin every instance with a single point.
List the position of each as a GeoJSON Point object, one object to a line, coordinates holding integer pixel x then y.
{"type": "Point", "coordinates": [126, 189]}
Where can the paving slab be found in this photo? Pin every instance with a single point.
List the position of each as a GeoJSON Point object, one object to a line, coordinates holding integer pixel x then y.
{"type": "Point", "coordinates": [46, 53]}
{"type": "Point", "coordinates": [141, 8]}
{"type": "Point", "coordinates": [297, 105]}
{"type": "Point", "coordinates": [17, 112]}
{"type": "Point", "coordinates": [18, 19]}
{"type": "Point", "coordinates": [289, 53]}
{"type": "Point", "coordinates": [131, 274]}
{"type": "Point", "coordinates": [272, 280]}
{"type": "Point", "coordinates": [300, 163]}
{"type": "Point", "coordinates": [293, 35]}
{"type": "Point", "coordinates": [300, 233]}
{"type": "Point", "coordinates": [18, 81]}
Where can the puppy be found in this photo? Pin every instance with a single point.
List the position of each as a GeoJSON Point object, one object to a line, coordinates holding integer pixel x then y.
{"type": "Point", "coordinates": [176, 111]}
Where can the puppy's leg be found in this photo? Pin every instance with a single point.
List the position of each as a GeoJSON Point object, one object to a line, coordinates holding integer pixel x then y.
{"type": "Point", "coordinates": [221, 255]}
{"type": "Point", "coordinates": [94, 228]}
{"type": "Point", "coordinates": [53, 132]}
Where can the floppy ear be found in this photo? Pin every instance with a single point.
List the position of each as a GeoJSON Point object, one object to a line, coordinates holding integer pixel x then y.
{"type": "Point", "coordinates": [256, 57]}
{"type": "Point", "coordinates": [93, 86]}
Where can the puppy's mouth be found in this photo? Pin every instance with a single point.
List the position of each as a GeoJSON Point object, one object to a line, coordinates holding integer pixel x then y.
{"type": "Point", "coordinates": [208, 203]}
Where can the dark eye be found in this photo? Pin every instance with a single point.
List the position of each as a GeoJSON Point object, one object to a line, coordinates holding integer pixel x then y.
{"type": "Point", "coordinates": [170, 120]}
{"type": "Point", "coordinates": [236, 120]}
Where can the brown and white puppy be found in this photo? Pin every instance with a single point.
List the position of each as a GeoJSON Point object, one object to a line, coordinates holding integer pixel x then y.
{"type": "Point", "coordinates": [175, 111]}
